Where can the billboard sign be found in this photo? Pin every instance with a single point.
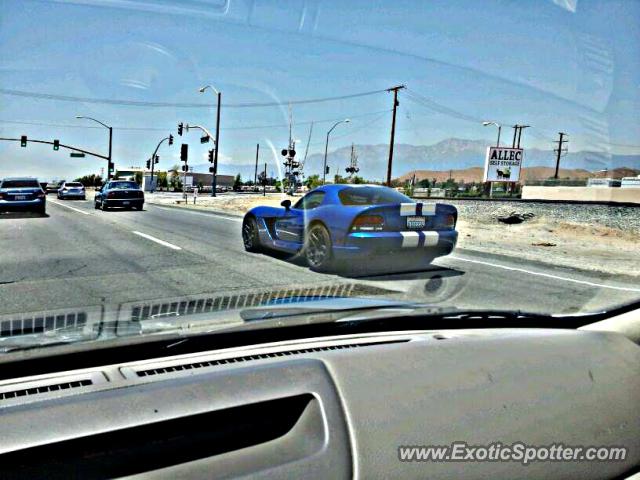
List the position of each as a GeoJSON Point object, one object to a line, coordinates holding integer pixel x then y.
{"type": "Point", "coordinates": [503, 164]}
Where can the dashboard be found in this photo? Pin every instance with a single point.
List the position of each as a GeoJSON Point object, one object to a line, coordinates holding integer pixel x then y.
{"type": "Point", "coordinates": [332, 407]}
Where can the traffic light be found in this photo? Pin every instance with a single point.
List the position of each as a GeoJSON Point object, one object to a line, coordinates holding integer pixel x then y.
{"type": "Point", "coordinates": [23, 141]}
{"type": "Point", "coordinates": [111, 166]}
{"type": "Point", "coordinates": [211, 170]}
{"type": "Point", "coordinates": [148, 164]}
{"type": "Point", "coordinates": [180, 127]}
{"type": "Point", "coordinates": [185, 168]}
{"type": "Point", "coordinates": [326, 171]}
{"type": "Point", "coordinates": [56, 144]}
{"type": "Point", "coordinates": [184, 152]}
{"type": "Point", "coordinates": [157, 159]}
{"type": "Point", "coordinates": [211, 156]}
{"type": "Point", "coordinates": [170, 139]}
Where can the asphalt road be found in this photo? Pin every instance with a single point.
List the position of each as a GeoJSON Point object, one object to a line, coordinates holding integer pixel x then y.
{"type": "Point", "coordinates": [78, 257]}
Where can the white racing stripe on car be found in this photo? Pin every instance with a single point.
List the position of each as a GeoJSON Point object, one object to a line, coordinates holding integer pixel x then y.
{"type": "Point", "coordinates": [157, 240]}
{"type": "Point", "coordinates": [407, 209]}
{"type": "Point", "coordinates": [428, 209]}
{"type": "Point", "coordinates": [431, 239]}
{"type": "Point", "coordinates": [410, 239]}
{"type": "Point", "coordinates": [69, 207]}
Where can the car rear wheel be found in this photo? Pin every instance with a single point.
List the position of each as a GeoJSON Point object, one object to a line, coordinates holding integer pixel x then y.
{"type": "Point", "coordinates": [250, 236]}
{"type": "Point", "coordinates": [103, 206]}
{"type": "Point", "coordinates": [317, 248]}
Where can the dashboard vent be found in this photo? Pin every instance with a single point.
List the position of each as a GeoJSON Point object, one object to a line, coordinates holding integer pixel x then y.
{"type": "Point", "coordinates": [48, 387]}
{"type": "Point", "coordinates": [258, 356]}
{"type": "Point", "coordinates": [42, 323]}
{"type": "Point", "coordinates": [44, 389]}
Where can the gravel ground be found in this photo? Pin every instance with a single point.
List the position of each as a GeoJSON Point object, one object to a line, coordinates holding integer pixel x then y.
{"type": "Point", "coordinates": [621, 218]}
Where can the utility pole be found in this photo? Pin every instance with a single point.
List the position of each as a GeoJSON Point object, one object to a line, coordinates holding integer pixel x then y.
{"type": "Point", "coordinates": [393, 129]}
{"type": "Point", "coordinates": [559, 151]}
{"type": "Point", "coordinates": [255, 175]}
{"type": "Point", "coordinates": [110, 144]}
{"type": "Point", "coordinates": [264, 182]}
{"type": "Point", "coordinates": [517, 135]}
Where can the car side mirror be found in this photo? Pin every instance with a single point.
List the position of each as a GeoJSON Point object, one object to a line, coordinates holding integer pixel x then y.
{"type": "Point", "coordinates": [286, 204]}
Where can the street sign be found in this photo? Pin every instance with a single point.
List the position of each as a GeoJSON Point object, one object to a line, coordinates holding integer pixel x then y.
{"type": "Point", "coordinates": [204, 139]}
{"type": "Point", "coordinates": [184, 152]}
{"type": "Point", "coordinates": [503, 164]}
{"type": "Point", "coordinates": [76, 154]}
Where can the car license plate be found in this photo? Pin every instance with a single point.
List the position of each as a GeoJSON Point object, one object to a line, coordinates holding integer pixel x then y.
{"type": "Point", "coordinates": [20, 197]}
{"type": "Point", "coordinates": [415, 222]}
{"type": "Point", "coordinates": [125, 203]}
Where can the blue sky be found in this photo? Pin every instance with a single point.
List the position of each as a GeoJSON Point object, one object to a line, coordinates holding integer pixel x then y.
{"type": "Point", "coordinates": [567, 65]}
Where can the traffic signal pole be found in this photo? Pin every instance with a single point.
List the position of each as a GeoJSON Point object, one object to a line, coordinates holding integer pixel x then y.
{"type": "Point", "coordinates": [153, 156]}
{"type": "Point", "coordinates": [68, 147]}
{"type": "Point", "coordinates": [215, 154]}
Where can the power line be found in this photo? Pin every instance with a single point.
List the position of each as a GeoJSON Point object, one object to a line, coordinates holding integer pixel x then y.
{"type": "Point", "coordinates": [161, 129]}
{"type": "Point", "coordinates": [137, 103]}
{"type": "Point", "coordinates": [439, 108]}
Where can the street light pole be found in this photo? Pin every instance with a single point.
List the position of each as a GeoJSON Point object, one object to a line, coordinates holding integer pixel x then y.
{"type": "Point", "coordinates": [326, 148]}
{"type": "Point", "coordinates": [486, 124]}
{"type": "Point", "coordinates": [110, 141]}
{"type": "Point", "coordinates": [217, 146]}
{"type": "Point", "coordinates": [214, 181]}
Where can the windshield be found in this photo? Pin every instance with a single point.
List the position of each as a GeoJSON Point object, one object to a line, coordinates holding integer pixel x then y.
{"type": "Point", "coordinates": [19, 184]}
{"type": "Point", "coordinates": [238, 155]}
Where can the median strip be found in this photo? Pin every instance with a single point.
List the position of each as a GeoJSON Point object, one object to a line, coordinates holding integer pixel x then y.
{"type": "Point", "coordinates": [70, 207]}
{"type": "Point", "coordinates": [157, 240]}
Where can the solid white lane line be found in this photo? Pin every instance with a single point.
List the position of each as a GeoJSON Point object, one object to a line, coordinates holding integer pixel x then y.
{"type": "Point", "coordinates": [69, 207]}
{"type": "Point", "coordinates": [202, 214]}
{"type": "Point", "coordinates": [546, 275]}
{"type": "Point", "coordinates": [157, 240]}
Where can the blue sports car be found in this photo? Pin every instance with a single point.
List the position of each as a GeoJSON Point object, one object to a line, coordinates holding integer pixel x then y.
{"type": "Point", "coordinates": [336, 224]}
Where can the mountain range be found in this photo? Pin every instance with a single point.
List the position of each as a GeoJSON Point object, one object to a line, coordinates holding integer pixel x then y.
{"type": "Point", "coordinates": [449, 154]}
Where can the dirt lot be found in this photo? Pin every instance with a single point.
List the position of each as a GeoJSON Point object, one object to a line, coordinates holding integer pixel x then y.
{"type": "Point", "coordinates": [572, 236]}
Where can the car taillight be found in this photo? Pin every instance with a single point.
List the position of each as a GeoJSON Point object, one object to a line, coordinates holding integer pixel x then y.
{"type": "Point", "coordinates": [41, 194]}
{"type": "Point", "coordinates": [448, 222]}
{"type": "Point", "coordinates": [111, 194]}
{"type": "Point", "coordinates": [369, 223]}
{"type": "Point", "coordinates": [1, 195]}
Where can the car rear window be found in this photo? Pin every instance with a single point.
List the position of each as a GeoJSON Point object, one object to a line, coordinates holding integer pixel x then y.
{"type": "Point", "coordinates": [371, 196]}
{"type": "Point", "coordinates": [123, 185]}
{"type": "Point", "coordinates": [73, 184]}
{"type": "Point", "coordinates": [20, 184]}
